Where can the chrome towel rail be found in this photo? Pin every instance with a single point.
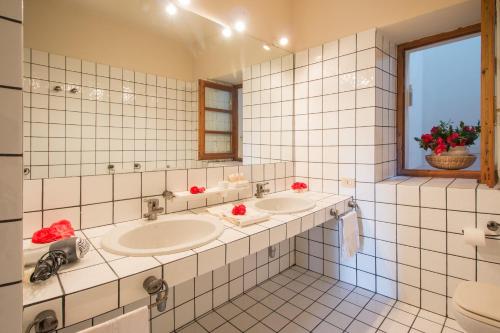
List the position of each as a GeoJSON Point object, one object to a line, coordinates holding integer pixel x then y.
{"type": "Point", "coordinates": [351, 204]}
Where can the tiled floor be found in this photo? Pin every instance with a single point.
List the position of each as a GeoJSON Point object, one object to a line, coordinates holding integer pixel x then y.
{"type": "Point", "coordinates": [298, 301]}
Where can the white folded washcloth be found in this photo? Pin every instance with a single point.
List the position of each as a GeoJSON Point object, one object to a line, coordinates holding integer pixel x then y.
{"type": "Point", "coordinates": [136, 321]}
{"type": "Point", "coordinates": [252, 215]}
{"type": "Point", "coordinates": [350, 233]}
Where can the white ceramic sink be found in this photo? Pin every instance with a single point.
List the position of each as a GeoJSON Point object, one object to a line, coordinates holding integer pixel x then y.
{"type": "Point", "coordinates": [168, 234]}
{"type": "Point", "coordinates": [284, 204]}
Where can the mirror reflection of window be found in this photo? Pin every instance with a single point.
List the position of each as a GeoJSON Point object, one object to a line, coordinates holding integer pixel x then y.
{"type": "Point", "coordinates": [219, 112]}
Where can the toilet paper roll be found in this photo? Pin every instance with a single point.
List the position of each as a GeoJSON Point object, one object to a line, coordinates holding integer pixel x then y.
{"type": "Point", "coordinates": [474, 237]}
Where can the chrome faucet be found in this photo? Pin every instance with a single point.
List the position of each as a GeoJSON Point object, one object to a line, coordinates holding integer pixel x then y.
{"type": "Point", "coordinates": [153, 209]}
{"type": "Point", "coordinates": [259, 193]}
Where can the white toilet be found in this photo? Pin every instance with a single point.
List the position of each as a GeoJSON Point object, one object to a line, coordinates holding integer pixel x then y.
{"type": "Point", "coordinates": [476, 307]}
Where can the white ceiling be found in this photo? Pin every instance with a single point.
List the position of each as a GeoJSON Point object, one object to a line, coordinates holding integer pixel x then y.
{"type": "Point", "coordinates": [447, 19]}
{"type": "Point", "coordinates": [150, 14]}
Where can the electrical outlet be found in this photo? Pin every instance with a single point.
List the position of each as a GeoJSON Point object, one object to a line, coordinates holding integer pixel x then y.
{"type": "Point", "coordinates": [347, 182]}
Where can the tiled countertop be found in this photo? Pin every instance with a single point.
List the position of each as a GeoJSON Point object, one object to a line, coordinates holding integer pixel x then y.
{"type": "Point", "coordinates": [100, 267]}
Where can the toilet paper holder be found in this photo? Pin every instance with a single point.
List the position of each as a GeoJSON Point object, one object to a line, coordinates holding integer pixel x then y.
{"type": "Point", "coordinates": [492, 226]}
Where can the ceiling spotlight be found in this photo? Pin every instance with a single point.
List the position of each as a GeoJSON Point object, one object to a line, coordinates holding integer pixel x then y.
{"type": "Point", "coordinates": [240, 26]}
{"type": "Point", "coordinates": [171, 9]}
{"type": "Point", "coordinates": [266, 47]}
{"type": "Point", "coordinates": [283, 41]}
{"type": "Point", "coordinates": [184, 3]}
{"type": "Point", "coordinates": [227, 32]}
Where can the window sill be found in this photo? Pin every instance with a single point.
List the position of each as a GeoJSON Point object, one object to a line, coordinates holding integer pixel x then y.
{"type": "Point", "coordinates": [470, 174]}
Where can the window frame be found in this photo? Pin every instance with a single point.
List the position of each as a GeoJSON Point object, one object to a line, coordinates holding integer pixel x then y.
{"type": "Point", "coordinates": [202, 84]}
{"type": "Point", "coordinates": [400, 109]}
{"type": "Point", "coordinates": [489, 175]}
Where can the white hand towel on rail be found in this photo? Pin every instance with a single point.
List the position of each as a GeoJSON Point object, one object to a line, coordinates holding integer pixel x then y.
{"type": "Point", "coordinates": [136, 321]}
{"type": "Point", "coordinates": [350, 233]}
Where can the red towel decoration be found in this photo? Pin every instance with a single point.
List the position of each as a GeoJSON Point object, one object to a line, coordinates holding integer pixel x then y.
{"type": "Point", "coordinates": [239, 209]}
{"type": "Point", "coordinates": [196, 190]}
{"type": "Point", "coordinates": [58, 230]}
{"type": "Point", "coordinates": [299, 186]}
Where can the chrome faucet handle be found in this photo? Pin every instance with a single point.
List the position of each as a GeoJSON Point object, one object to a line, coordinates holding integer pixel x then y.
{"type": "Point", "coordinates": [262, 186]}
{"type": "Point", "coordinates": [154, 202]}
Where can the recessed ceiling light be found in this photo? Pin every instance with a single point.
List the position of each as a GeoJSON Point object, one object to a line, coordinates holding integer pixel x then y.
{"type": "Point", "coordinates": [184, 3]}
{"type": "Point", "coordinates": [227, 32]}
{"type": "Point", "coordinates": [240, 26]}
{"type": "Point", "coordinates": [171, 9]}
{"type": "Point", "coordinates": [266, 47]}
{"type": "Point", "coordinates": [283, 41]}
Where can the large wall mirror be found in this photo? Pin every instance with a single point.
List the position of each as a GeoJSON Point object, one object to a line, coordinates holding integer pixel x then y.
{"type": "Point", "coordinates": [120, 86]}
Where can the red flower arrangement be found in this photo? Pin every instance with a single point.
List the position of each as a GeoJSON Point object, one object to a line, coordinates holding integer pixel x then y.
{"type": "Point", "coordinates": [58, 230]}
{"type": "Point", "coordinates": [196, 190]}
{"type": "Point", "coordinates": [239, 209]}
{"type": "Point", "coordinates": [299, 186]}
{"type": "Point", "coordinates": [444, 136]}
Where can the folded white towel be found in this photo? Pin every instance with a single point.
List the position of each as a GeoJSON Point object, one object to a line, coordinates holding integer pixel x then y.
{"type": "Point", "coordinates": [136, 321]}
{"type": "Point", "coordinates": [350, 233]}
{"type": "Point", "coordinates": [252, 215]}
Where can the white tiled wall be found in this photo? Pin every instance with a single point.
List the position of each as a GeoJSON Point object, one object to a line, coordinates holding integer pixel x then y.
{"type": "Point", "coordinates": [430, 253]}
{"type": "Point", "coordinates": [345, 118]}
{"type": "Point", "coordinates": [268, 111]}
{"type": "Point", "coordinates": [11, 157]}
{"type": "Point", "coordinates": [411, 243]}
{"type": "Point", "coordinates": [91, 201]}
{"type": "Point", "coordinates": [115, 116]}
{"type": "Point", "coordinates": [345, 105]}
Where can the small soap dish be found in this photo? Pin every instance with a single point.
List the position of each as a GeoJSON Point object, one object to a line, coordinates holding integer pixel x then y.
{"type": "Point", "coordinates": [211, 191]}
{"type": "Point", "coordinates": [239, 184]}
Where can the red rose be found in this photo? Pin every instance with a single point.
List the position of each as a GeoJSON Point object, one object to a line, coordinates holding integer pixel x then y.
{"type": "Point", "coordinates": [239, 209]}
{"type": "Point", "coordinates": [440, 148]}
{"type": "Point", "coordinates": [435, 130]}
{"type": "Point", "coordinates": [299, 186]}
{"type": "Point", "coordinates": [451, 139]}
{"type": "Point", "coordinates": [427, 138]}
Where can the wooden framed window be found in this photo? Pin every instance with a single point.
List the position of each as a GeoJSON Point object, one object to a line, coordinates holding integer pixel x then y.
{"type": "Point", "coordinates": [430, 88]}
{"type": "Point", "coordinates": [488, 63]}
{"type": "Point", "coordinates": [218, 121]}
